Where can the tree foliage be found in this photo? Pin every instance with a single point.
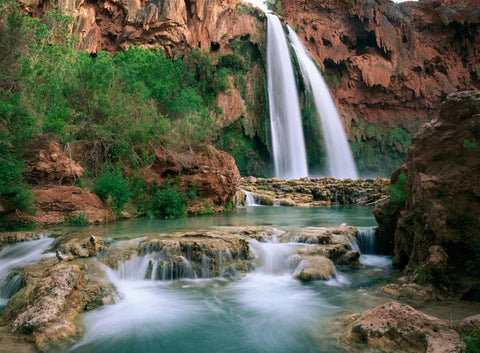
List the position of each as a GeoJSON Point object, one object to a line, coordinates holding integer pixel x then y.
{"type": "Point", "coordinates": [116, 107]}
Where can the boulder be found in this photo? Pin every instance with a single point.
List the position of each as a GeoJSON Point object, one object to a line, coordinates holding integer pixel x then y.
{"type": "Point", "coordinates": [399, 328]}
{"type": "Point", "coordinates": [213, 174]}
{"type": "Point", "coordinates": [46, 308]}
{"type": "Point", "coordinates": [315, 268]}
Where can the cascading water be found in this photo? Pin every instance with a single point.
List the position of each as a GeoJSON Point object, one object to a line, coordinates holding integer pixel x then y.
{"type": "Point", "coordinates": [366, 240]}
{"type": "Point", "coordinates": [15, 256]}
{"type": "Point", "coordinates": [340, 159]}
{"type": "Point", "coordinates": [249, 199]}
{"type": "Point", "coordinates": [290, 158]}
{"type": "Point", "coordinates": [365, 245]}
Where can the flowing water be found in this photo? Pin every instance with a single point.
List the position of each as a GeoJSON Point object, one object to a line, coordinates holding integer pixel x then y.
{"type": "Point", "coordinates": [288, 145]}
{"type": "Point", "coordinates": [340, 159]}
{"type": "Point", "coordinates": [265, 311]}
{"type": "Point", "coordinates": [16, 256]}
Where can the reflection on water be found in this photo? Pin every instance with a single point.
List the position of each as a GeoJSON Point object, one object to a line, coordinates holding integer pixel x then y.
{"type": "Point", "coordinates": [246, 216]}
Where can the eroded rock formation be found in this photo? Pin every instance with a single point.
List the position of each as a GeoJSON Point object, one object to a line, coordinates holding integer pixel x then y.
{"type": "Point", "coordinates": [436, 231]}
{"type": "Point", "coordinates": [312, 192]}
{"type": "Point", "coordinates": [390, 64]}
{"type": "Point", "coordinates": [212, 173]}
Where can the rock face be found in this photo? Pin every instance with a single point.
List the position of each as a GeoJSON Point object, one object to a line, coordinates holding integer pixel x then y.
{"type": "Point", "coordinates": [45, 309]}
{"type": "Point", "coordinates": [313, 192]}
{"type": "Point", "coordinates": [213, 173]}
{"type": "Point", "coordinates": [399, 328]}
{"type": "Point", "coordinates": [59, 204]}
{"type": "Point", "coordinates": [51, 165]}
{"type": "Point", "coordinates": [390, 64]}
{"type": "Point", "coordinates": [113, 24]}
{"type": "Point", "coordinates": [436, 232]}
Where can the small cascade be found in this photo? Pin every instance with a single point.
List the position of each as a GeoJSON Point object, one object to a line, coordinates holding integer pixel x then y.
{"type": "Point", "coordinates": [366, 240]}
{"type": "Point", "coordinates": [364, 244]}
{"type": "Point", "coordinates": [249, 199]}
{"type": "Point", "coordinates": [340, 159]}
{"type": "Point", "coordinates": [274, 257]}
{"type": "Point", "coordinates": [16, 256]}
{"type": "Point", "coordinates": [288, 145]}
{"type": "Point", "coordinates": [164, 265]}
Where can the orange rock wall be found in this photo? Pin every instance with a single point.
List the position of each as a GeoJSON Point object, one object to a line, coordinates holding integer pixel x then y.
{"type": "Point", "coordinates": [390, 64]}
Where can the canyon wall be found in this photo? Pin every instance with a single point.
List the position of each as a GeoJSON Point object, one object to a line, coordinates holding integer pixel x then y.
{"type": "Point", "coordinates": [389, 65]}
{"type": "Point", "coordinates": [434, 225]}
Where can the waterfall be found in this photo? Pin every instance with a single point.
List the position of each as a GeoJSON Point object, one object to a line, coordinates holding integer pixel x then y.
{"type": "Point", "coordinates": [365, 245]}
{"type": "Point", "coordinates": [340, 159]}
{"type": "Point", "coordinates": [249, 199]}
{"type": "Point", "coordinates": [288, 144]}
{"type": "Point", "coordinates": [163, 265]}
{"type": "Point", "coordinates": [366, 240]}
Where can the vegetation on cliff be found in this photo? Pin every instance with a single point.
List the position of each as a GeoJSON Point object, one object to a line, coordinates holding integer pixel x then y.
{"type": "Point", "coordinates": [113, 108]}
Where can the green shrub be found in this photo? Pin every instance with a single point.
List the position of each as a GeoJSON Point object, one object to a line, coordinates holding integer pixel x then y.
{"type": "Point", "coordinates": [207, 208]}
{"type": "Point", "coordinates": [166, 201]}
{"type": "Point", "coordinates": [113, 188]}
{"type": "Point", "coordinates": [473, 341]}
{"type": "Point", "coordinates": [77, 220]}
{"type": "Point", "coordinates": [397, 192]}
{"type": "Point", "coordinates": [470, 145]}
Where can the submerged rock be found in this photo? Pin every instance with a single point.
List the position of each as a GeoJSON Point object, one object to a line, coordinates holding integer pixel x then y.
{"type": "Point", "coordinates": [399, 328]}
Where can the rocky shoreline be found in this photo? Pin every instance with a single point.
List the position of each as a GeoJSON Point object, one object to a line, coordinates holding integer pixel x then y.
{"type": "Point", "coordinates": [57, 290]}
{"type": "Point", "coordinates": [313, 192]}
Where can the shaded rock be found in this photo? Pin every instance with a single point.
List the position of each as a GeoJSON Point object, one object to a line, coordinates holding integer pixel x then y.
{"type": "Point", "coordinates": [350, 258]}
{"type": "Point", "coordinates": [469, 325]}
{"type": "Point", "coordinates": [315, 268]}
{"type": "Point", "coordinates": [436, 232]}
{"type": "Point", "coordinates": [395, 327]}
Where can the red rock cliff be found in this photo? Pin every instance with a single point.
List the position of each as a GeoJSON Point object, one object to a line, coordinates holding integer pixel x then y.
{"type": "Point", "coordinates": [436, 233]}
{"type": "Point", "coordinates": [390, 64]}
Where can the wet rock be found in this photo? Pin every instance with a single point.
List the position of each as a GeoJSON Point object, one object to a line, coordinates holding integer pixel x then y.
{"type": "Point", "coordinates": [410, 291]}
{"type": "Point", "coordinates": [315, 268]}
{"type": "Point", "coordinates": [395, 327]}
{"type": "Point", "coordinates": [69, 248]}
{"type": "Point", "coordinates": [54, 295]}
{"type": "Point", "coordinates": [8, 238]}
